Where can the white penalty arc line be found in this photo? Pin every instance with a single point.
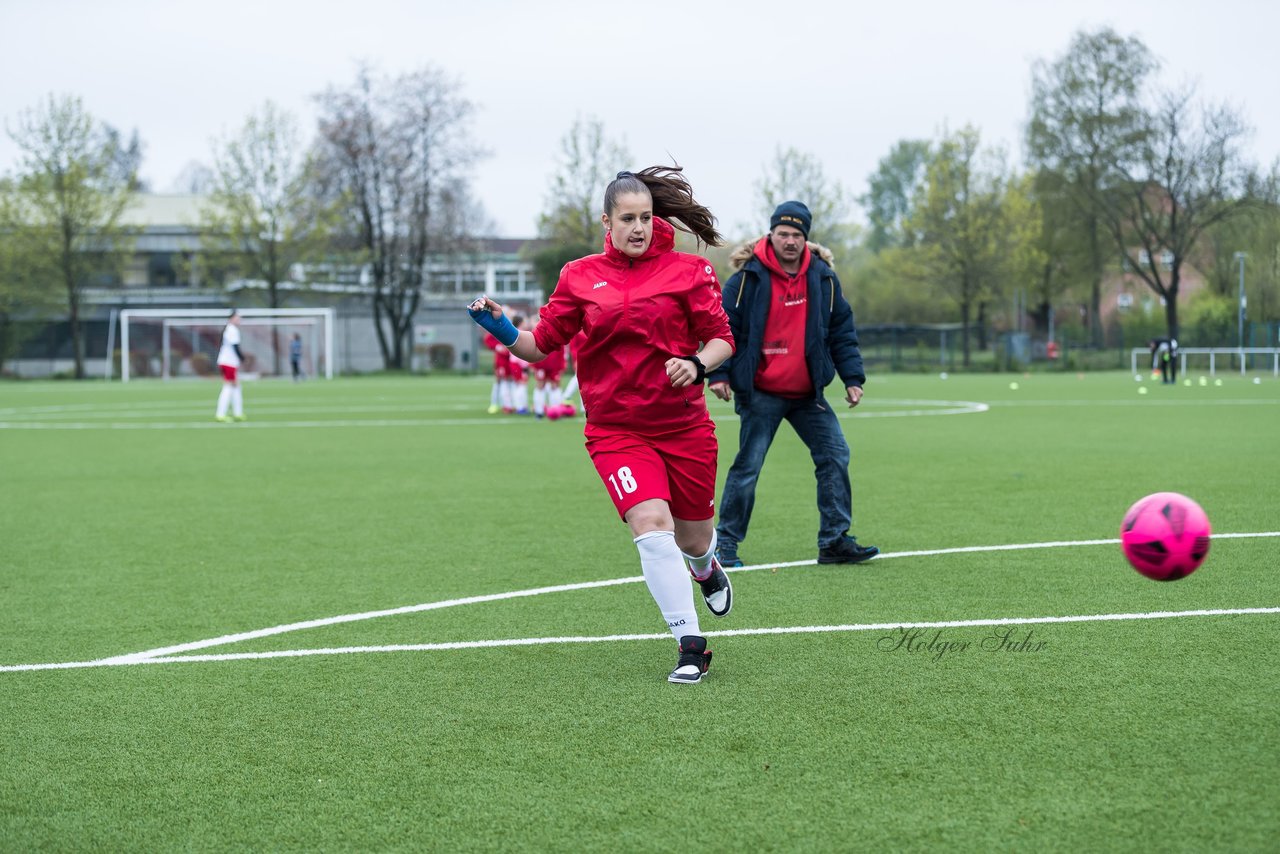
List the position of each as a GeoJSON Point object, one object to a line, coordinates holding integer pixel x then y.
{"type": "Point", "coordinates": [174, 653]}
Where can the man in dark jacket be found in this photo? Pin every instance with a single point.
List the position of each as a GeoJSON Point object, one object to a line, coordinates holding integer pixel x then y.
{"type": "Point", "coordinates": [794, 332]}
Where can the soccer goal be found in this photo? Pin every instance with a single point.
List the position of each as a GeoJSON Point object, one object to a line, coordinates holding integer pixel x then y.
{"type": "Point", "coordinates": [171, 343]}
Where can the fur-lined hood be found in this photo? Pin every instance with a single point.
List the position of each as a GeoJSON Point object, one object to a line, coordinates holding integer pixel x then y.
{"type": "Point", "coordinates": [742, 254]}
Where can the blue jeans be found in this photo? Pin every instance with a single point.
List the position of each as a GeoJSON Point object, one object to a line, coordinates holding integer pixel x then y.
{"type": "Point", "coordinates": [817, 426]}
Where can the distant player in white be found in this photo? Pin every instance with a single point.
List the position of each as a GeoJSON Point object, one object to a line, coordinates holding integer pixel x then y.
{"type": "Point", "coordinates": [229, 361]}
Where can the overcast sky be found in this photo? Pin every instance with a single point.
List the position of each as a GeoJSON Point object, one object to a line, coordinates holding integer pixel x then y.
{"type": "Point", "coordinates": [718, 86]}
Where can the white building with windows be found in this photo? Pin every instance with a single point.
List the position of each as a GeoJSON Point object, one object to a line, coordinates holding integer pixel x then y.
{"type": "Point", "coordinates": [171, 266]}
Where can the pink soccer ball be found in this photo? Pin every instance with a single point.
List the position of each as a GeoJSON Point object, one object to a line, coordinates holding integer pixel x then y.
{"type": "Point", "coordinates": [1165, 536]}
{"type": "Point", "coordinates": [553, 412]}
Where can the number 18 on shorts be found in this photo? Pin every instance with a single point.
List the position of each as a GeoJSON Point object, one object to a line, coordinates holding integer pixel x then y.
{"type": "Point", "coordinates": [678, 467]}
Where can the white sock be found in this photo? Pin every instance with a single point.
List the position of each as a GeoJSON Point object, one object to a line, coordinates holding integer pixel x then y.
{"type": "Point", "coordinates": [572, 388]}
{"type": "Point", "coordinates": [539, 400]}
{"type": "Point", "coordinates": [505, 394]}
{"type": "Point", "coordinates": [237, 400]}
{"type": "Point", "coordinates": [493, 394]}
{"type": "Point", "coordinates": [699, 567]}
{"type": "Point", "coordinates": [668, 581]}
{"type": "Point", "coordinates": [553, 396]}
{"type": "Point", "coordinates": [520, 395]}
{"type": "Point", "coordinates": [224, 400]}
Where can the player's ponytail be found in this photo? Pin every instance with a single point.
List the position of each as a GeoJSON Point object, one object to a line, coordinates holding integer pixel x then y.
{"type": "Point", "coordinates": [672, 200]}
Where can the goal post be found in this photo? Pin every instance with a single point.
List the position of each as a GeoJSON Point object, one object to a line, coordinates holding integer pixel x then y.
{"type": "Point", "coordinates": [176, 342]}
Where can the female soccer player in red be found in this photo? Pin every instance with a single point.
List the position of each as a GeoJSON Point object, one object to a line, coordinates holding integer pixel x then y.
{"type": "Point", "coordinates": [654, 325]}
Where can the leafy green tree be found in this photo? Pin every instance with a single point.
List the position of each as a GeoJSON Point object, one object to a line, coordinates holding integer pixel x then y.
{"type": "Point", "coordinates": [970, 232]}
{"type": "Point", "coordinates": [25, 274]}
{"type": "Point", "coordinates": [1067, 263]}
{"type": "Point", "coordinates": [890, 190]}
{"type": "Point", "coordinates": [1256, 232]}
{"type": "Point", "coordinates": [72, 189]}
{"type": "Point", "coordinates": [1088, 120]}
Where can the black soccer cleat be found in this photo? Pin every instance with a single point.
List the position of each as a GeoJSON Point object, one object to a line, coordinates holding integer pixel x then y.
{"type": "Point", "coordinates": [717, 592]}
{"type": "Point", "coordinates": [695, 658]}
{"type": "Point", "coordinates": [846, 550]}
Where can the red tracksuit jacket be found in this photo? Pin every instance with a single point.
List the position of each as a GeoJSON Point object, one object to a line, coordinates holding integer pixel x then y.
{"type": "Point", "coordinates": [636, 314]}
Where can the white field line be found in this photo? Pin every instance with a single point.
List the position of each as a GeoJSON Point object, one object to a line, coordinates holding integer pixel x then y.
{"type": "Point", "coordinates": [545, 641]}
{"type": "Point", "coordinates": [172, 653]}
{"type": "Point", "coordinates": [96, 420]}
{"type": "Point", "coordinates": [198, 410]}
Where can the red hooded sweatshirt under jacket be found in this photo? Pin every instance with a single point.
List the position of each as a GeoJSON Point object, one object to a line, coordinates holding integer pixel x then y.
{"type": "Point", "coordinates": [636, 314]}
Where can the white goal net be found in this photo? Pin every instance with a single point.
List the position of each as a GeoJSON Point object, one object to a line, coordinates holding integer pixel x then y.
{"type": "Point", "coordinates": [172, 343]}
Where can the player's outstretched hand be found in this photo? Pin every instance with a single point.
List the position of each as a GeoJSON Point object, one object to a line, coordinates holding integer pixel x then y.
{"type": "Point", "coordinates": [481, 304]}
{"type": "Point", "coordinates": [488, 315]}
{"type": "Point", "coordinates": [722, 390]}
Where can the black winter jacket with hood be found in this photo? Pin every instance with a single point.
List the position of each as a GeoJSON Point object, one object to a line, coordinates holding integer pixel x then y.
{"type": "Point", "coordinates": [830, 339]}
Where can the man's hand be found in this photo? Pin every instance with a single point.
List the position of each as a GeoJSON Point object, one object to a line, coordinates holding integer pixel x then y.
{"type": "Point", "coordinates": [853, 394]}
{"type": "Point", "coordinates": [722, 390]}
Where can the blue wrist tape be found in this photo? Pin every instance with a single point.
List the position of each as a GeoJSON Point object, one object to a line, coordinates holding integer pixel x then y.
{"type": "Point", "coordinates": [500, 326]}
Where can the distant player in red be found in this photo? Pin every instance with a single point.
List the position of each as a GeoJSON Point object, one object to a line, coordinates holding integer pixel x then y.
{"type": "Point", "coordinates": [546, 394]}
{"type": "Point", "coordinates": [499, 371]}
{"type": "Point", "coordinates": [517, 376]}
{"type": "Point", "coordinates": [572, 388]}
{"type": "Point", "coordinates": [654, 324]}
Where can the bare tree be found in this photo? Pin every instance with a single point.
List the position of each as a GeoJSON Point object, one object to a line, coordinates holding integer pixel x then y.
{"type": "Point", "coordinates": [260, 213]}
{"type": "Point", "coordinates": [396, 150]}
{"type": "Point", "coordinates": [1190, 175]}
{"type": "Point", "coordinates": [72, 190]}
{"type": "Point", "coordinates": [793, 174]}
{"type": "Point", "coordinates": [195, 179]}
{"type": "Point", "coordinates": [588, 161]}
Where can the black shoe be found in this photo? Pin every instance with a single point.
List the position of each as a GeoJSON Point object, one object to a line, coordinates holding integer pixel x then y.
{"type": "Point", "coordinates": [846, 550]}
{"type": "Point", "coordinates": [717, 592]}
{"type": "Point", "coordinates": [695, 658]}
{"type": "Point", "coordinates": [729, 557]}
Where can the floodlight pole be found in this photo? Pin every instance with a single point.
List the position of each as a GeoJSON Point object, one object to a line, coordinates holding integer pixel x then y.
{"type": "Point", "coordinates": [1239, 257]}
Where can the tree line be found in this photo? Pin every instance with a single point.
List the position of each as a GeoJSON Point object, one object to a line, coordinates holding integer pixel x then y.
{"type": "Point", "coordinates": [1121, 175]}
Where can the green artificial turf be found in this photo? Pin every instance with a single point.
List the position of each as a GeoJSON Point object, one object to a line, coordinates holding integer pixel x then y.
{"type": "Point", "coordinates": [131, 522]}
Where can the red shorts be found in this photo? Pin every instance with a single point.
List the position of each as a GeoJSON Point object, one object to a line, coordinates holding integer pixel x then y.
{"type": "Point", "coordinates": [678, 467]}
{"type": "Point", "coordinates": [515, 373]}
{"type": "Point", "coordinates": [228, 373]}
{"type": "Point", "coordinates": [542, 375]}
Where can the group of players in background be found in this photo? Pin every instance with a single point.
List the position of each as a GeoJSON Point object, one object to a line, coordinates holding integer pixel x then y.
{"type": "Point", "coordinates": [510, 393]}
